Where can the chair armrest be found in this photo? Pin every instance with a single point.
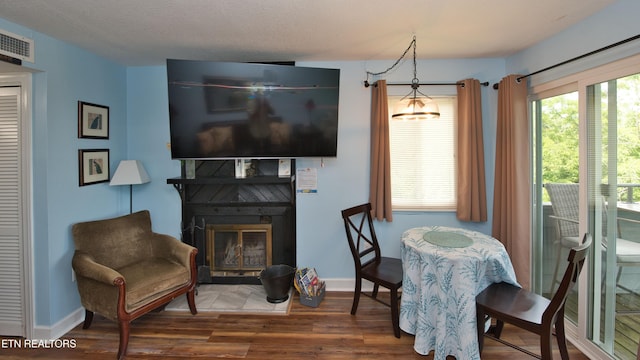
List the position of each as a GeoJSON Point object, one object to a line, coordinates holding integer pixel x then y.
{"type": "Point", "coordinates": [564, 219]}
{"type": "Point", "coordinates": [628, 220]}
{"type": "Point", "coordinates": [169, 247]}
{"type": "Point", "coordinates": [84, 265]}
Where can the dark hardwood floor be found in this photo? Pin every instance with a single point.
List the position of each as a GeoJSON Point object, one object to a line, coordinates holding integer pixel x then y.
{"type": "Point", "coordinates": [326, 332]}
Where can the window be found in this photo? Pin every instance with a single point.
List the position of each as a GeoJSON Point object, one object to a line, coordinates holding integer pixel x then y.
{"type": "Point", "coordinates": [423, 159]}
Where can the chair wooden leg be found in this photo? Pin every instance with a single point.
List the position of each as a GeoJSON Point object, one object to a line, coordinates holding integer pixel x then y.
{"type": "Point", "coordinates": [356, 295]}
{"type": "Point", "coordinates": [124, 338]}
{"type": "Point", "coordinates": [561, 337]}
{"type": "Point", "coordinates": [88, 318]}
{"type": "Point", "coordinates": [545, 345]}
{"type": "Point", "coordinates": [395, 316]}
{"type": "Point", "coordinates": [374, 293]}
{"type": "Point", "coordinates": [192, 302]}
{"type": "Point", "coordinates": [497, 330]}
{"type": "Point", "coordinates": [480, 319]}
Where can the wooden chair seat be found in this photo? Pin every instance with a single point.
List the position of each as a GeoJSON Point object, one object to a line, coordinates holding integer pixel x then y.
{"type": "Point", "coordinates": [385, 272]}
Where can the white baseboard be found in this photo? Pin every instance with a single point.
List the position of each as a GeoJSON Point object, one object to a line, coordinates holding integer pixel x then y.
{"type": "Point", "coordinates": [60, 328]}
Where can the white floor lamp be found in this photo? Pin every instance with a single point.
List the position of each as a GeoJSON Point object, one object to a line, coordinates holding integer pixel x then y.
{"type": "Point", "coordinates": [130, 172]}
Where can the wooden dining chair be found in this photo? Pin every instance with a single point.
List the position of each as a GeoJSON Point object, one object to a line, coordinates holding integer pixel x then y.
{"type": "Point", "coordinates": [529, 311]}
{"type": "Point", "coordinates": [369, 262]}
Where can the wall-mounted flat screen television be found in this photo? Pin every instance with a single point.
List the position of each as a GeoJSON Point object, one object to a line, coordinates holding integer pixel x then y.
{"type": "Point", "coordinates": [247, 110]}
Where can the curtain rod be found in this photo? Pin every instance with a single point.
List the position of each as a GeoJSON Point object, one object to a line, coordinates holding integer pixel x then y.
{"type": "Point", "coordinates": [366, 84]}
{"type": "Point", "coordinates": [495, 86]}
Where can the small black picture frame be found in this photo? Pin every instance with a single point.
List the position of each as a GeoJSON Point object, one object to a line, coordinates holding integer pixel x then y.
{"type": "Point", "coordinates": [93, 166]}
{"type": "Point", "coordinates": [93, 121]}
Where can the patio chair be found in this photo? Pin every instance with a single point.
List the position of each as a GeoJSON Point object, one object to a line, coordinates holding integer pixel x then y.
{"type": "Point", "coordinates": [564, 203]}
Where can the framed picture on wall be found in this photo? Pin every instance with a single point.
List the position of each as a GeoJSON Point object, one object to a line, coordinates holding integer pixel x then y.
{"type": "Point", "coordinates": [93, 165]}
{"type": "Point", "coordinates": [93, 121]}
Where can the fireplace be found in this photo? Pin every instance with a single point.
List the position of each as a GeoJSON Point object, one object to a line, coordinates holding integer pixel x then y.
{"type": "Point", "coordinates": [238, 249]}
{"type": "Point", "coordinates": [239, 225]}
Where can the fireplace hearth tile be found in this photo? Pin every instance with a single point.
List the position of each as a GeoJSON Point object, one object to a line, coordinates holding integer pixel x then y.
{"type": "Point", "coordinates": [231, 299]}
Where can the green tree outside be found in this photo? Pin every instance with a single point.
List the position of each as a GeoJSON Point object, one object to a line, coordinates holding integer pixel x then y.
{"type": "Point", "coordinates": [559, 137]}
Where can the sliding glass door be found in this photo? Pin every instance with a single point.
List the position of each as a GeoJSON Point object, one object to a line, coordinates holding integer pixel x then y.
{"type": "Point", "coordinates": [586, 144]}
{"type": "Point", "coordinates": [613, 126]}
{"type": "Point", "coordinates": [556, 139]}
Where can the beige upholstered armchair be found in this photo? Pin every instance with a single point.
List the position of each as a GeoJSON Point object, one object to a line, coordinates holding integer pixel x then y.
{"type": "Point", "coordinates": [124, 270]}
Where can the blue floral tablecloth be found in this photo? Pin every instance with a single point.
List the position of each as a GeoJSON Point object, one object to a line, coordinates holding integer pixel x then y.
{"type": "Point", "coordinates": [441, 281]}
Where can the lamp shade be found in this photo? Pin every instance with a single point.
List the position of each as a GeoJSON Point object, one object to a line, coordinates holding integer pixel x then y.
{"type": "Point", "coordinates": [416, 108]}
{"type": "Point", "coordinates": [130, 172]}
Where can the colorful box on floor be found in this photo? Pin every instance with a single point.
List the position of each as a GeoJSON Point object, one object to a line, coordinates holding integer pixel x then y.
{"type": "Point", "coordinates": [313, 301]}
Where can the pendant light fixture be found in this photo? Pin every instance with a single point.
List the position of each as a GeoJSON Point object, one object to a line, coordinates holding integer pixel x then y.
{"type": "Point", "coordinates": [416, 105]}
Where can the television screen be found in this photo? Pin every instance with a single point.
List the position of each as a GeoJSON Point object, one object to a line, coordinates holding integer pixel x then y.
{"type": "Point", "coordinates": [247, 110]}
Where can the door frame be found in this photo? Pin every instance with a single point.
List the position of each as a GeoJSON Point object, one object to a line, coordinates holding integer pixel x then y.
{"type": "Point", "coordinates": [24, 81]}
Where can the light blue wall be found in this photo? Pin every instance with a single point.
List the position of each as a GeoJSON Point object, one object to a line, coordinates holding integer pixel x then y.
{"type": "Point", "coordinates": [73, 75]}
{"type": "Point", "coordinates": [66, 75]}
{"type": "Point", "coordinates": [148, 136]}
{"type": "Point", "coordinates": [139, 130]}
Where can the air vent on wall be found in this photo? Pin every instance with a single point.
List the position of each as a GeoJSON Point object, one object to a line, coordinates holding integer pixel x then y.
{"type": "Point", "coordinates": [16, 46]}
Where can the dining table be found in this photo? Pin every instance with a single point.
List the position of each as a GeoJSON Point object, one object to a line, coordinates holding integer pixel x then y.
{"type": "Point", "coordinates": [444, 269]}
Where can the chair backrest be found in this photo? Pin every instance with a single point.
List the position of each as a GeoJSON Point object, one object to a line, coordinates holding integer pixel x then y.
{"type": "Point", "coordinates": [363, 242]}
{"type": "Point", "coordinates": [577, 256]}
{"type": "Point", "coordinates": [565, 200]}
{"type": "Point", "coordinates": [115, 242]}
{"type": "Point", "coordinates": [565, 203]}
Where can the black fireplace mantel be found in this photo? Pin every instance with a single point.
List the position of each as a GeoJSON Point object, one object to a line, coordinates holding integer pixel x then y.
{"type": "Point", "coordinates": [212, 195]}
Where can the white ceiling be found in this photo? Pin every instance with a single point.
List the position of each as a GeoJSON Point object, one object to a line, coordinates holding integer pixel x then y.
{"type": "Point", "coordinates": [146, 32]}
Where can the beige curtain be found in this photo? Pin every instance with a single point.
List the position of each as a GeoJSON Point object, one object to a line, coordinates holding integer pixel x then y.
{"type": "Point", "coordinates": [471, 185]}
{"type": "Point", "coordinates": [380, 179]}
{"type": "Point", "coordinates": [511, 194]}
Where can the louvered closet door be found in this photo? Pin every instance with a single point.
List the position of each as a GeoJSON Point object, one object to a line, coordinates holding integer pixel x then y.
{"type": "Point", "coordinates": [11, 254]}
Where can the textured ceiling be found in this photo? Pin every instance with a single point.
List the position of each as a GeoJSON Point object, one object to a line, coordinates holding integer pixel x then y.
{"type": "Point", "coordinates": [146, 32]}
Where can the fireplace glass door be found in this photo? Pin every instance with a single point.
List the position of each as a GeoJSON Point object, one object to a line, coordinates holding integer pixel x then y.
{"type": "Point", "coordinates": [243, 249]}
